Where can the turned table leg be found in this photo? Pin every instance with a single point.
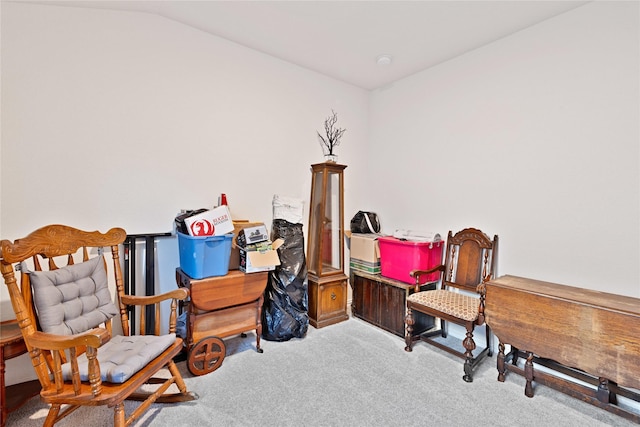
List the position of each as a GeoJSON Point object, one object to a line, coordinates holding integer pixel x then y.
{"type": "Point", "coordinates": [408, 337]}
{"type": "Point", "coordinates": [500, 363]}
{"type": "Point", "coordinates": [259, 323]}
{"type": "Point", "coordinates": [528, 374]}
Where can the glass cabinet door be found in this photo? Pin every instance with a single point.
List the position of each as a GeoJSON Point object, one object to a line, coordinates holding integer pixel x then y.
{"type": "Point", "coordinates": [326, 220]}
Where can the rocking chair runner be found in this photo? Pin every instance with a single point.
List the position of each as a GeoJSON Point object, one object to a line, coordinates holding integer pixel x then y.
{"type": "Point", "coordinates": [65, 312]}
{"type": "Point", "coordinates": [470, 261]}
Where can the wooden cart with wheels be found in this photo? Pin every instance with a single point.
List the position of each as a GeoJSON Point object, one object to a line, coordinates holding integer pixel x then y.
{"type": "Point", "coordinates": [220, 307]}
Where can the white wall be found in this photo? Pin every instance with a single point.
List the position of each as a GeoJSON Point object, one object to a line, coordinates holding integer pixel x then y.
{"type": "Point", "coordinates": [124, 118]}
{"type": "Point", "coordinates": [146, 116]}
{"type": "Point", "coordinates": [535, 138]}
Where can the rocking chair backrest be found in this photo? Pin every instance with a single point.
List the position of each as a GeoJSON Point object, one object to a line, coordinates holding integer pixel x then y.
{"type": "Point", "coordinates": [56, 244]}
{"type": "Point", "coordinates": [68, 333]}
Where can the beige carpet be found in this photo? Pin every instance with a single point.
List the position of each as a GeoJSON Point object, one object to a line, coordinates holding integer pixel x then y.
{"type": "Point", "coordinates": [348, 374]}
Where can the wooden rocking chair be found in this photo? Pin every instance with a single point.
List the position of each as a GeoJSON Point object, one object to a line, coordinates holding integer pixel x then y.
{"type": "Point", "coordinates": [65, 317]}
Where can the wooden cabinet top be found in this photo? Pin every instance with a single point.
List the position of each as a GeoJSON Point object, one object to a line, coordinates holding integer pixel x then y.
{"type": "Point", "coordinates": [386, 280]}
{"type": "Point", "coordinates": [213, 293]}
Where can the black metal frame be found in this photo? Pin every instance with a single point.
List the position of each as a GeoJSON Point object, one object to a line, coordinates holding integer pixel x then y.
{"type": "Point", "coordinates": [149, 276]}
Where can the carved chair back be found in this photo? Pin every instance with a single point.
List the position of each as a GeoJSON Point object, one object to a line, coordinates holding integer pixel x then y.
{"type": "Point", "coordinates": [469, 259]}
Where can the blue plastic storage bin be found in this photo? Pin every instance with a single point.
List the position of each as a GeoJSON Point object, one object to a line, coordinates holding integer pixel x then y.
{"type": "Point", "coordinates": [204, 256]}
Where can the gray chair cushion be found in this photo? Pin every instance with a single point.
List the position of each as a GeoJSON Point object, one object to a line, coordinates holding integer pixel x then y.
{"type": "Point", "coordinates": [72, 299]}
{"type": "Point", "coordinates": [122, 357]}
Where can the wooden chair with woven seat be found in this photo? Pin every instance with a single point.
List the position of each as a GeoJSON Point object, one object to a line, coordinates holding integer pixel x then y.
{"type": "Point", "coordinates": [470, 261]}
{"type": "Point", "coordinates": [65, 317]}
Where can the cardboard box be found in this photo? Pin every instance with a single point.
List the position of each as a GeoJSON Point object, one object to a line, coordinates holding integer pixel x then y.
{"type": "Point", "coordinates": [366, 267]}
{"type": "Point", "coordinates": [257, 252]}
{"type": "Point", "coordinates": [260, 257]}
{"type": "Point", "coordinates": [214, 222]}
{"type": "Point", "coordinates": [251, 235]}
{"type": "Point", "coordinates": [365, 247]}
{"type": "Point", "coordinates": [365, 253]}
{"type": "Point", "coordinates": [238, 226]}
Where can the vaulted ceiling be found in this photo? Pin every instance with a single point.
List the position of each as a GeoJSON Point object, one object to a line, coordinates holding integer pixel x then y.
{"type": "Point", "coordinates": [344, 39]}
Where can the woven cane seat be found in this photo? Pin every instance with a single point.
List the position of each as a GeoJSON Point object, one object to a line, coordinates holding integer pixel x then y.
{"type": "Point", "coordinates": [453, 303]}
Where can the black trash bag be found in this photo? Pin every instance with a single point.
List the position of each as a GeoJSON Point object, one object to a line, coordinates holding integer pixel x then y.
{"type": "Point", "coordinates": [285, 313]}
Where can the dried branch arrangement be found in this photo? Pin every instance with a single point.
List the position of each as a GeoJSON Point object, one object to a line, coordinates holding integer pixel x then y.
{"type": "Point", "coordinates": [333, 134]}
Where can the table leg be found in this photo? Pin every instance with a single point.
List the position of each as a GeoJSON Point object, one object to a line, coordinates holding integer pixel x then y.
{"type": "Point", "coordinates": [500, 362]}
{"type": "Point", "coordinates": [528, 374]}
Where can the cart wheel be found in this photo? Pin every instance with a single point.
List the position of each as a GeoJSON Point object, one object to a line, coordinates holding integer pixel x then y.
{"type": "Point", "coordinates": [206, 356]}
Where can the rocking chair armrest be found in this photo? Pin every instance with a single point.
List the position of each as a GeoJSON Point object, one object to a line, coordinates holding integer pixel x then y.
{"type": "Point", "coordinates": [93, 338]}
{"type": "Point", "coordinates": [417, 273]}
{"type": "Point", "coordinates": [153, 301]}
{"type": "Point", "coordinates": [179, 294]}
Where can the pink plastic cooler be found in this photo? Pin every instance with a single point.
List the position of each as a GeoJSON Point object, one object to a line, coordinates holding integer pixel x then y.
{"type": "Point", "coordinates": [399, 257]}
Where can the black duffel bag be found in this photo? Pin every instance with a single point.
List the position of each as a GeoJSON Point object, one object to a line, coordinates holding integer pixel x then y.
{"type": "Point", "coordinates": [365, 222]}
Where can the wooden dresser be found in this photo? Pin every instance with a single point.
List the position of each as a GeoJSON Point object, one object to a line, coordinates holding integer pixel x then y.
{"type": "Point", "coordinates": [587, 335]}
{"type": "Point", "coordinates": [383, 302]}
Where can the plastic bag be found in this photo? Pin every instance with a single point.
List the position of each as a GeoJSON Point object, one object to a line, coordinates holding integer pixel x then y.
{"type": "Point", "coordinates": [287, 208]}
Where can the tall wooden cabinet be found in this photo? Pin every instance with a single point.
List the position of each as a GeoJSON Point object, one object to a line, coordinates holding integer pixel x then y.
{"type": "Point", "coordinates": [383, 302]}
{"type": "Point", "coordinates": [325, 250]}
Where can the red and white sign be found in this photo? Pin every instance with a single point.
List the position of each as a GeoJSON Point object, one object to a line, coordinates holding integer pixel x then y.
{"type": "Point", "coordinates": [201, 227]}
{"type": "Point", "coordinates": [214, 222]}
